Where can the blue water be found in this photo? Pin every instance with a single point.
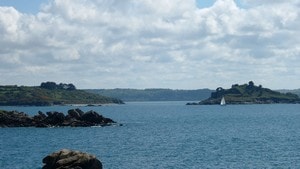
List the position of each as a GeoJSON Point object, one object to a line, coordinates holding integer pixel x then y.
{"type": "Point", "coordinates": [166, 135]}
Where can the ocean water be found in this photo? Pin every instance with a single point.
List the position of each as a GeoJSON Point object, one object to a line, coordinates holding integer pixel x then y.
{"type": "Point", "coordinates": [166, 135]}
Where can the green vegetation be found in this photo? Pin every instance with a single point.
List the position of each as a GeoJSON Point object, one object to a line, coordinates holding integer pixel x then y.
{"type": "Point", "coordinates": [41, 96]}
{"type": "Point", "coordinates": [153, 94]}
{"type": "Point", "coordinates": [53, 85]}
{"type": "Point", "coordinates": [250, 94]}
{"type": "Point", "coordinates": [295, 91]}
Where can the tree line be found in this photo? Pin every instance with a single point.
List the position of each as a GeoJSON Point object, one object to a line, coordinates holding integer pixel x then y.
{"type": "Point", "coordinates": [53, 86]}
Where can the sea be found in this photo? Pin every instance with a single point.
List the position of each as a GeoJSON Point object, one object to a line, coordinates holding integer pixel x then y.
{"type": "Point", "coordinates": [166, 135]}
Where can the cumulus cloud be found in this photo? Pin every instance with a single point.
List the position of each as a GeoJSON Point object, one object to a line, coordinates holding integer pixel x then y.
{"type": "Point", "coordinates": [151, 43]}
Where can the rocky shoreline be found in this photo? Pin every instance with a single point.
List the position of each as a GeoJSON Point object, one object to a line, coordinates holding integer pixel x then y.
{"type": "Point", "coordinates": [74, 118]}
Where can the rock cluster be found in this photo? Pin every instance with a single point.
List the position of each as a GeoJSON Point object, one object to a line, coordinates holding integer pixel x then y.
{"type": "Point", "coordinates": [69, 159]}
{"type": "Point", "coordinates": [74, 118]}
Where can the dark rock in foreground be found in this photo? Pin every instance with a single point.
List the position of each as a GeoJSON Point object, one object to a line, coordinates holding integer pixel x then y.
{"type": "Point", "coordinates": [75, 118]}
{"type": "Point", "coordinates": [69, 159]}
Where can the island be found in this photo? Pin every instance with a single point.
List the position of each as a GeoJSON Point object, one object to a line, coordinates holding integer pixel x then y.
{"type": "Point", "coordinates": [50, 93]}
{"type": "Point", "coordinates": [248, 94]}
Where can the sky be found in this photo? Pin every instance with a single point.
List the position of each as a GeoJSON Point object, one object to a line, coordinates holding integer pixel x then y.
{"type": "Point", "coordinates": [177, 44]}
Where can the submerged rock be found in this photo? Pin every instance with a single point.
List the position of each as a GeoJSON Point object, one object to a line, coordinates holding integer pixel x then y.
{"type": "Point", "coordinates": [70, 159]}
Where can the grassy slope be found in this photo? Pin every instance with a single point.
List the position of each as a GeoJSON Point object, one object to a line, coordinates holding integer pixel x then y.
{"type": "Point", "coordinates": [295, 91]}
{"type": "Point", "coordinates": [13, 95]}
{"type": "Point", "coordinates": [250, 95]}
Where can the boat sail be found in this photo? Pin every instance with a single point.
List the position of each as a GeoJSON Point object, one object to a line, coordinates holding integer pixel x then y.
{"type": "Point", "coordinates": [223, 103]}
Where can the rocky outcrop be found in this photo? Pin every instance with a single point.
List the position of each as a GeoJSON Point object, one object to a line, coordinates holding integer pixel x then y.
{"type": "Point", "coordinates": [69, 159]}
{"type": "Point", "coordinates": [75, 118]}
{"type": "Point", "coordinates": [75, 113]}
{"type": "Point", "coordinates": [14, 119]}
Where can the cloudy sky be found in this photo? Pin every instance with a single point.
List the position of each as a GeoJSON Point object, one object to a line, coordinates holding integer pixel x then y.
{"type": "Point", "coordinates": [177, 44]}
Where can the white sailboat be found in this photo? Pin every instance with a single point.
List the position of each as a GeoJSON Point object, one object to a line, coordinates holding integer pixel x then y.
{"type": "Point", "coordinates": [223, 102]}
